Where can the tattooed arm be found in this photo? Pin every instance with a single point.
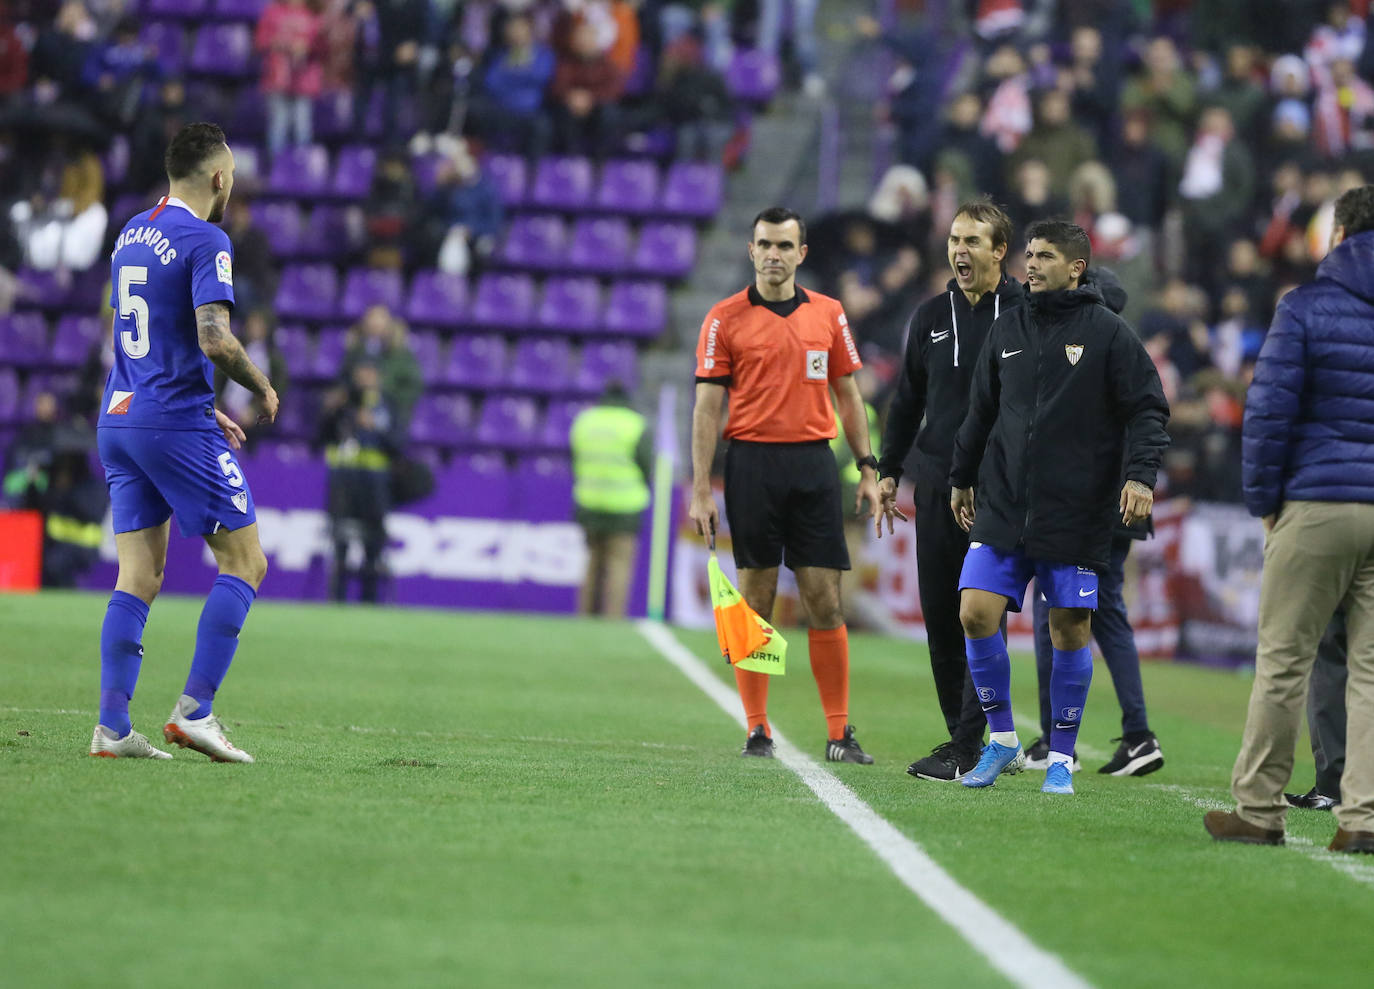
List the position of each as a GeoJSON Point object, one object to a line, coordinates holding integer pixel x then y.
{"type": "Point", "coordinates": [224, 350]}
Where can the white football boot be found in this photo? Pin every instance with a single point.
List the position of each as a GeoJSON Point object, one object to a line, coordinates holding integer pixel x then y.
{"type": "Point", "coordinates": [204, 735]}
{"type": "Point", "coordinates": [131, 746]}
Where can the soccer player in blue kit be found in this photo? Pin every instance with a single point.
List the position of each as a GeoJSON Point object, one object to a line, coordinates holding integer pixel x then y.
{"type": "Point", "coordinates": [167, 451]}
{"type": "Point", "coordinates": [1063, 394]}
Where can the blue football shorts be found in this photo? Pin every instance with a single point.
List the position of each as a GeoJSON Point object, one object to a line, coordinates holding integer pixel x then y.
{"type": "Point", "coordinates": [1063, 584]}
{"type": "Point", "coordinates": [153, 474]}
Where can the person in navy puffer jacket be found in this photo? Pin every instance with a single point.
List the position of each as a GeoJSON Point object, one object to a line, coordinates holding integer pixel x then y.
{"type": "Point", "coordinates": [1308, 472]}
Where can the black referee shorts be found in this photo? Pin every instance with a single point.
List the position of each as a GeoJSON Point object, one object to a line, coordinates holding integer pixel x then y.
{"type": "Point", "coordinates": [782, 501]}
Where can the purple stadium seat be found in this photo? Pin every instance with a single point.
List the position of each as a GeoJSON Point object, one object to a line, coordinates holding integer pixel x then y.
{"type": "Point", "coordinates": [332, 116]}
{"type": "Point", "coordinates": [9, 394]}
{"type": "Point", "coordinates": [281, 223]}
{"type": "Point", "coordinates": [353, 172]}
{"type": "Point", "coordinates": [485, 481]}
{"type": "Point", "coordinates": [694, 189]}
{"type": "Point", "coordinates": [537, 242]}
{"type": "Point", "coordinates": [237, 10]}
{"type": "Point", "coordinates": [541, 364]}
{"type": "Point", "coordinates": [307, 291]}
{"type": "Point", "coordinates": [753, 75]}
{"type": "Point", "coordinates": [367, 287]}
{"type": "Point", "coordinates": [327, 364]}
{"type": "Point", "coordinates": [248, 116]}
{"type": "Point", "coordinates": [300, 173]}
{"type": "Point", "coordinates": [437, 299]}
{"type": "Point", "coordinates": [628, 186]}
{"type": "Point", "coordinates": [637, 309]}
{"type": "Point", "coordinates": [42, 289]}
{"type": "Point", "coordinates": [600, 244]}
{"type": "Point", "coordinates": [296, 420]}
{"type": "Point", "coordinates": [329, 235]}
{"type": "Point", "coordinates": [476, 362]}
{"type": "Point", "coordinates": [168, 40]}
{"type": "Point", "coordinates": [553, 435]}
{"type": "Point", "coordinates": [605, 362]}
{"type": "Point", "coordinates": [543, 488]}
{"type": "Point", "coordinates": [442, 421]}
{"type": "Point", "coordinates": [503, 302]}
{"type": "Point", "coordinates": [508, 422]}
{"type": "Point", "coordinates": [562, 183]}
{"type": "Point", "coordinates": [296, 349]}
{"type": "Point", "coordinates": [665, 250]}
{"type": "Point", "coordinates": [641, 78]}
{"type": "Point", "coordinates": [428, 351]}
{"type": "Point", "coordinates": [569, 305]}
{"type": "Point", "coordinates": [184, 9]}
{"type": "Point", "coordinates": [24, 340]}
{"type": "Point", "coordinates": [425, 167]}
{"type": "Point", "coordinates": [509, 174]}
{"type": "Point", "coordinates": [224, 50]}
{"type": "Point", "coordinates": [75, 336]}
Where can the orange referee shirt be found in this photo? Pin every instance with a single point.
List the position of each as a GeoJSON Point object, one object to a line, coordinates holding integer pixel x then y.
{"type": "Point", "coordinates": [778, 368]}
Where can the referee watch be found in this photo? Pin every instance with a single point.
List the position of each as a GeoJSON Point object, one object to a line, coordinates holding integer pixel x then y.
{"type": "Point", "coordinates": [868, 461]}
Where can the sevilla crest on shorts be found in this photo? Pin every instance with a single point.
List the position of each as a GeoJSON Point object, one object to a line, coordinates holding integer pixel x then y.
{"type": "Point", "coordinates": [1073, 351]}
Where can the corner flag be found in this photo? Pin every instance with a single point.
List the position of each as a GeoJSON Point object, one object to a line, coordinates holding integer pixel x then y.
{"type": "Point", "coordinates": [746, 640]}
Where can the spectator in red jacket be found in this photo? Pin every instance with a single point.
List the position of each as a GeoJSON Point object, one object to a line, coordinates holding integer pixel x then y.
{"type": "Point", "coordinates": [586, 85]}
{"type": "Point", "coordinates": [292, 69]}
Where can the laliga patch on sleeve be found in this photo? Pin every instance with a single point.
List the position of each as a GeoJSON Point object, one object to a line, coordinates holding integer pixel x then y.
{"type": "Point", "coordinates": [224, 268]}
{"type": "Point", "coordinates": [817, 365]}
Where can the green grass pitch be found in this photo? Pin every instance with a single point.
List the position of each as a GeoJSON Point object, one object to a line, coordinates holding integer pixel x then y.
{"type": "Point", "coordinates": [502, 800]}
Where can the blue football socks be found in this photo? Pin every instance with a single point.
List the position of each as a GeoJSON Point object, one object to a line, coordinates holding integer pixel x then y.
{"type": "Point", "coordinates": [121, 655]}
{"type": "Point", "coordinates": [1069, 680]}
{"type": "Point", "coordinates": [991, 670]}
{"type": "Point", "coordinates": [217, 637]}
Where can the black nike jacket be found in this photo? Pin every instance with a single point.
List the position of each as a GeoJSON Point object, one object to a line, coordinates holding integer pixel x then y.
{"type": "Point", "coordinates": [943, 342]}
{"type": "Point", "coordinates": [1063, 394]}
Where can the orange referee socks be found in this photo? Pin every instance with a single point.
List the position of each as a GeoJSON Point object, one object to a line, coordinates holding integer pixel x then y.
{"type": "Point", "coordinates": [830, 667]}
{"type": "Point", "coordinates": [753, 691]}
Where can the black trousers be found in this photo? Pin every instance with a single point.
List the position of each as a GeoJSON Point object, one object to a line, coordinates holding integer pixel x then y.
{"type": "Point", "coordinates": [940, 549]}
{"type": "Point", "coordinates": [1326, 708]}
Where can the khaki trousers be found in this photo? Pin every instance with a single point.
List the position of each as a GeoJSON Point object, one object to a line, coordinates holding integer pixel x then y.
{"type": "Point", "coordinates": [1318, 557]}
{"type": "Point", "coordinates": [610, 565]}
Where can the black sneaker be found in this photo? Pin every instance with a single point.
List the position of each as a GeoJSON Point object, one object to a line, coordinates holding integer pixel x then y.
{"type": "Point", "coordinates": [1137, 755]}
{"type": "Point", "coordinates": [1038, 756]}
{"type": "Point", "coordinates": [758, 744]}
{"type": "Point", "coordinates": [946, 763]}
{"type": "Point", "coordinates": [846, 749]}
{"type": "Point", "coordinates": [1311, 800]}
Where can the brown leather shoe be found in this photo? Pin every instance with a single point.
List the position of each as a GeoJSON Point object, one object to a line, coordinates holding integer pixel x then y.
{"type": "Point", "coordinates": [1226, 825]}
{"type": "Point", "coordinates": [1352, 841]}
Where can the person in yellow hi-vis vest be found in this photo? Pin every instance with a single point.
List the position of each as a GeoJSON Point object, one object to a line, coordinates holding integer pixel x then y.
{"type": "Point", "coordinates": [611, 460]}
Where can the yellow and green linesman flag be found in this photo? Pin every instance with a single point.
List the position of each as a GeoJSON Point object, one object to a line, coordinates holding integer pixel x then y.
{"type": "Point", "coordinates": [746, 640]}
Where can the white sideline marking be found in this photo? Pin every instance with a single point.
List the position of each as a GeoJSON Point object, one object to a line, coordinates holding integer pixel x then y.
{"type": "Point", "coordinates": [1005, 948]}
{"type": "Point", "coordinates": [1350, 865]}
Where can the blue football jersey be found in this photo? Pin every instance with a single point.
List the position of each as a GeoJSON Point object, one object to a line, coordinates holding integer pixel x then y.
{"type": "Point", "coordinates": [166, 262]}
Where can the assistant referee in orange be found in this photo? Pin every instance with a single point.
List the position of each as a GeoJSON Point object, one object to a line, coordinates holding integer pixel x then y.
{"type": "Point", "coordinates": [779, 350]}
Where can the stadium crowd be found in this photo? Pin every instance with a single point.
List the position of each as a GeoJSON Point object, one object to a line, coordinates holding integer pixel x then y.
{"type": "Point", "coordinates": [1202, 146]}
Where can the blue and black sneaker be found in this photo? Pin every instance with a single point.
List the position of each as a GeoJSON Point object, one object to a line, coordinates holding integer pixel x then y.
{"type": "Point", "coordinates": [1058, 779]}
{"type": "Point", "coordinates": [997, 759]}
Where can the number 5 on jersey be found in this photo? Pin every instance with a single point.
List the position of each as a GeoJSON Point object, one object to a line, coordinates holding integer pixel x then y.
{"type": "Point", "coordinates": [231, 469]}
{"type": "Point", "coordinates": [135, 343]}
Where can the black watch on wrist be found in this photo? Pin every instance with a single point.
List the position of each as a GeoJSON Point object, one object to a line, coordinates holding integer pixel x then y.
{"type": "Point", "coordinates": [868, 461]}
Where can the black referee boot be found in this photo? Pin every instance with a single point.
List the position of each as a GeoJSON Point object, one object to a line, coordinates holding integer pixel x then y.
{"type": "Point", "coordinates": [846, 749]}
{"type": "Point", "coordinates": [758, 744]}
{"type": "Point", "coordinates": [946, 763]}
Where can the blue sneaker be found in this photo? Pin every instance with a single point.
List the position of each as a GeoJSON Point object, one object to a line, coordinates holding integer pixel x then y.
{"type": "Point", "coordinates": [1058, 779]}
{"type": "Point", "coordinates": [997, 759]}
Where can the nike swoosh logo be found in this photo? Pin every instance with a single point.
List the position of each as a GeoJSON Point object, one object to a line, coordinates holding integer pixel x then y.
{"type": "Point", "coordinates": [1138, 749]}
{"type": "Point", "coordinates": [1010, 353]}
{"type": "Point", "coordinates": [1068, 727]}
{"type": "Point", "coordinates": [937, 337]}
{"type": "Point", "coordinates": [1085, 594]}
